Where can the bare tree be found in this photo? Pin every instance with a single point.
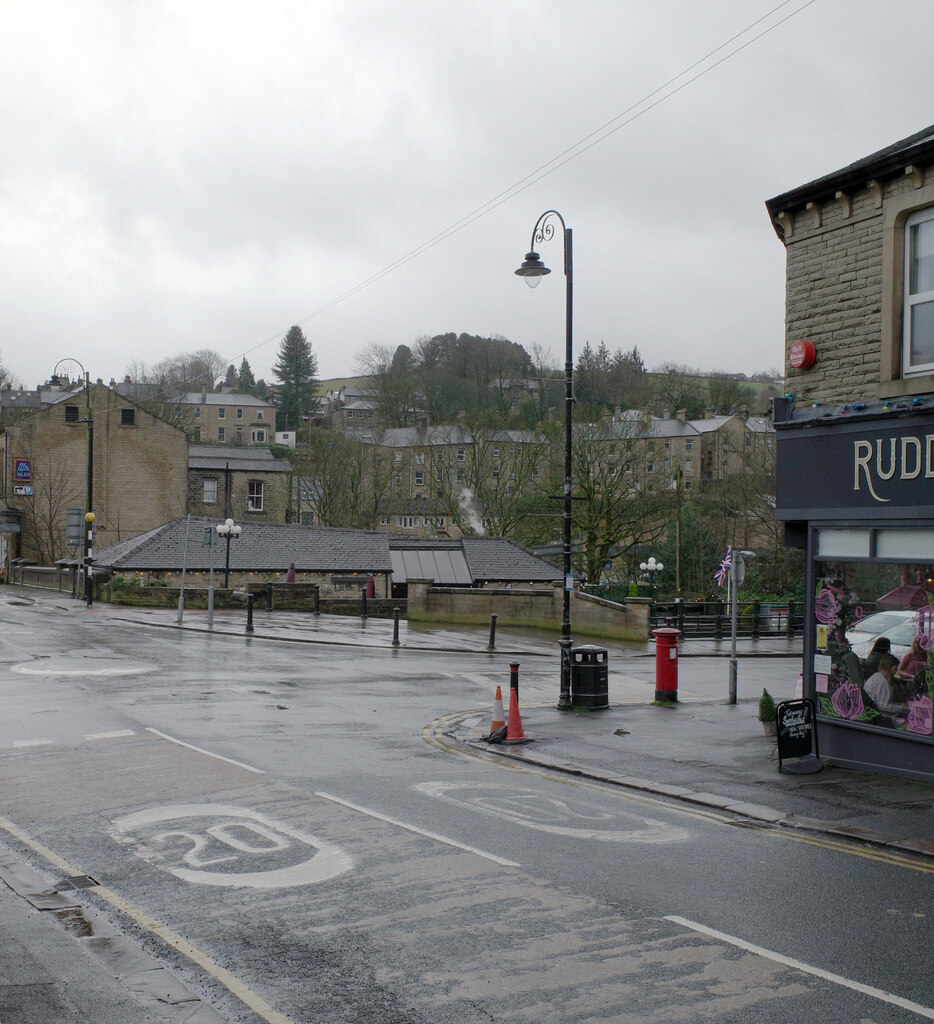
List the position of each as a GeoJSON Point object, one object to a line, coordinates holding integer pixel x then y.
{"type": "Point", "coordinates": [54, 491]}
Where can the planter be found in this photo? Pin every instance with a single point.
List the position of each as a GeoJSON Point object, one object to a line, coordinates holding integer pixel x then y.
{"type": "Point", "coordinates": [769, 728]}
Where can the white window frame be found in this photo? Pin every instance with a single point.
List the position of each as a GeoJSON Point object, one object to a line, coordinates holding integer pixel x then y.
{"type": "Point", "coordinates": [258, 435]}
{"type": "Point", "coordinates": [461, 455]}
{"type": "Point", "coordinates": [259, 414]}
{"type": "Point", "coordinates": [221, 413]}
{"type": "Point", "coordinates": [221, 434]}
{"type": "Point", "coordinates": [419, 478]}
{"type": "Point", "coordinates": [910, 301]}
{"type": "Point", "coordinates": [255, 495]}
{"type": "Point", "coordinates": [209, 491]}
{"type": "Point", "coordinates": [239, 414]}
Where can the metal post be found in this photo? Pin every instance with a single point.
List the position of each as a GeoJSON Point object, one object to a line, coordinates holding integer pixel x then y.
{"type": "Point", "coordinates": [756, 609]}
{"type": "Point", "coordinates": [227, 563]}
{"type": "Point", "coordinates": [181, 592]}
{"type": "Point", "coordinates": [790, 622]}
{"type": "Point", "coordinates": [249, 613]}
{"type": "Point", "coordinates": [491, 646]}
{"type": "Point", "coordinates": [514, 677]}
{"type": "Point", "coordinates": [395, 626]}
{"type": "Point", "coordinates": [269, 597]}
{"type": "Point", "coordinates": [317, 599]}
{"type": "Point", "coordinates": [734, 609]}
{"type": "Point", "coordinates": [363, 603]}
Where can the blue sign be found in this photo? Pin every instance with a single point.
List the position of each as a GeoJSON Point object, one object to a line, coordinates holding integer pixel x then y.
{"type": "Point", "coordinates": [22, 470]}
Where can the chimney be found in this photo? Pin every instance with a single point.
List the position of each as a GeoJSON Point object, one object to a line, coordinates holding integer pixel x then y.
{"type": "Point", "coordinates": [682, 414]}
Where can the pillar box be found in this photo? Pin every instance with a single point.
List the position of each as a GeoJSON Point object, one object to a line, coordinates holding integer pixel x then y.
{"type": "Point", "coordinates": [666, 663]}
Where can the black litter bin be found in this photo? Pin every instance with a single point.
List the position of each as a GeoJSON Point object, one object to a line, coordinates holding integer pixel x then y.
{"type": "Point", "coordinates": [590, 678]}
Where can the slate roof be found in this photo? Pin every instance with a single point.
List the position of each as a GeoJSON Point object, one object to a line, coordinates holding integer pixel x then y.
{"type": "Point", "coordinates": [269, 547]}
{"type": "Point", "coordinates": [249, 460]}
{"type": "Point", "coordinates": [226, 398]}
{"type": "Point", "coordinates": [917, 148]}
{"type": "Point", "coordinates": [261, 547]}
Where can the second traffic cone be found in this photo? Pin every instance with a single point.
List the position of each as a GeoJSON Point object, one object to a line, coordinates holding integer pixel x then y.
{"type": "Point", "coordinates": [499, 719]}
{"type": "Point", "coordinates": [514, 733]}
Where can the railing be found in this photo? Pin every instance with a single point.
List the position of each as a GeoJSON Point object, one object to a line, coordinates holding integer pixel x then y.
{"type": "Point", "coordinates": [711, 619]}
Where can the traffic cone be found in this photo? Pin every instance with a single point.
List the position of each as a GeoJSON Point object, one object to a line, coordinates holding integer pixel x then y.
{"type": "Point", "coordinates": [514, 733]}
{"type": "Point", "coordinates": [499, 718]}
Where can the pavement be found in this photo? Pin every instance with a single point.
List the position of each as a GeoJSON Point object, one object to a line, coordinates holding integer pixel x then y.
{"type": "Point", "coordinates": [702, 750]}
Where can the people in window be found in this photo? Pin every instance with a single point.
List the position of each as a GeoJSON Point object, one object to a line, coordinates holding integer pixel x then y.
{"type": "Point", "coordinates": [880, 686]}
{"type": "Point", "coordinates": [913, 662]}
{"type": "Point", "coordinates": [882, 646]}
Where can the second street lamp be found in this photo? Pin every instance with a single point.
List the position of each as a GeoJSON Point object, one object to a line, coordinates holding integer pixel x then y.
{"type": "Point", "coordinates": [228, 530]}
{"type": "Point", "coordinates": [533, 270]}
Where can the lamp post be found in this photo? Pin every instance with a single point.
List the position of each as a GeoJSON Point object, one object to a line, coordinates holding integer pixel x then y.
{"type": "Point", "coordinates": [653, 568]}
{"type": "Point", "coordinates": [533, 270]}
{"type": "Point", "coordinates": [87, 545]}
{"type": "Point", "coordinates": [228, 530]}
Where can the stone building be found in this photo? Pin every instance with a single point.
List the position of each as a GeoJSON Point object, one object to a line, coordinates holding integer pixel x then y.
{"type": "Point", "coordinates": [239, 483]}
{"type": "Point", "coordinates": [855, 446]}
{"type": "Point", "coordinates": [229, 418]}
{"type": "Point", "coordinates": [138, 469]}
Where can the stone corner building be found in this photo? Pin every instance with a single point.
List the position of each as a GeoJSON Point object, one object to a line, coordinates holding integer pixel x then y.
{"type": "Point", "coordinates": [855, 446]}
{"type": "Point", "coordinates": [139, 471]}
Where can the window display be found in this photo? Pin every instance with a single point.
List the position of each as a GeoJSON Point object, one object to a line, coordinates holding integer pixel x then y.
{"type": "Point", "coordinates": [874, 643]}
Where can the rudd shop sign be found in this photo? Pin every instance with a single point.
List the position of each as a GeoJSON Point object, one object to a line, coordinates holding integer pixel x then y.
{"type": "Point", "coordinates": [849, 467]}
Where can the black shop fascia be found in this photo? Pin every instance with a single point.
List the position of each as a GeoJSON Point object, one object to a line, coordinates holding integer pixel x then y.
{"type": "Point", "coordinates": [855, 489]}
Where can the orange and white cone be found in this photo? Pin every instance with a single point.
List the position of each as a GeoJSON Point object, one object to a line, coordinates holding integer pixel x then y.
{"type": "Point", "coordinates": [514, 733]}
{"type": "Point", "coordinates": [499, 718]}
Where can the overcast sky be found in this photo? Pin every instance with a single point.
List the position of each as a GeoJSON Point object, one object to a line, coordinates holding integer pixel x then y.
{"type": "Point", "coordinates": [196, 174]}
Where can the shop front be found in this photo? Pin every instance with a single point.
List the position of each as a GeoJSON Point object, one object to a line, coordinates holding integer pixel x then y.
{"type": "Point", "coordinates": [855, 488]}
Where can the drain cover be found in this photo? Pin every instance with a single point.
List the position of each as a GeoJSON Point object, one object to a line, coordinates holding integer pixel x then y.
{"type": "Point", "coordinates": [76, 882]}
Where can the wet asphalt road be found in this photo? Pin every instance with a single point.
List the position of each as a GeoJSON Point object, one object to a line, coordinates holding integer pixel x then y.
{"type": "Point", "coordinates": [279, 809]}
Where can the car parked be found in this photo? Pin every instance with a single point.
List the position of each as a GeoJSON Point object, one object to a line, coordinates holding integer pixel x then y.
{"type": "Point", "coordinates": [900, 638]}
{"type": "Point", "coordinates": [874, 625]}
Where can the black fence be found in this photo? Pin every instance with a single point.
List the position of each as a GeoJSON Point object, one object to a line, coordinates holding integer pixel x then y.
{"type": "Point", "coordinates": [712, 619]}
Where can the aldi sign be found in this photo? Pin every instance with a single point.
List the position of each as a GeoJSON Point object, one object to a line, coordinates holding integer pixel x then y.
{"type": "Point", "coordinates": [22, 470]}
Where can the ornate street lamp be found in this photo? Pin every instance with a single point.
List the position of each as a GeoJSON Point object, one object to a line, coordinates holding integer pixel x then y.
{"type": "Point", "coordinates": [653, 568]}
{"type": "Point", "coordinates": [228, 530]}
{"type": "Point", "coordinates": [533, 270]}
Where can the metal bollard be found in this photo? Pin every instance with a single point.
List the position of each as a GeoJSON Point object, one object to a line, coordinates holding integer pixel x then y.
{"type": "Point", "coordinates": [249, 613]}
{"type": "Point", "coordinates": [317, 599]}
{"type": "Point", "coordinates": [491, 646]}
{"type": "Point", "coordinates": [363, 603]}
{"type": "Point", "coordinates": [395, 626]}
{"type": "Point", "coordinates": [269, 598]}
{"type": "Point", "coordinates": [514, 677]}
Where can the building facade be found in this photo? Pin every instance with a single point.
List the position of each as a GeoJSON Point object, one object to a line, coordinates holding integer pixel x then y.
{"type": "Point", "coordinates": [855, 448]}
{"type": "Point", "coordinates": [137, 470]}
{"type": "Point", "coordinates": [230, 418]}
{"type": "Point", "coordinates": [238, 483]}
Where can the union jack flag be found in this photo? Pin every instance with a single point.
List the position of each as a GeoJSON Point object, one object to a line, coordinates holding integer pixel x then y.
{"type": "Point", "coordinates": [721, 574]}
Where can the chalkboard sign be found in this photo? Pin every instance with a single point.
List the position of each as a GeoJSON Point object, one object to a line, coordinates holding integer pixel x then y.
{"type": "Point", "coordinates": [796, 732]}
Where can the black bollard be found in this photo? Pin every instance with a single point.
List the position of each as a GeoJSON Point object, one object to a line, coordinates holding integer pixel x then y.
{"type": "Point", "coordinates": [269, 598]}
{"type": "Point", "coordinates": [317, 599]}
{"type": "Point", "coordinates": [514, 677]}
{"type": "Point", "coordinates": [249, 613]}
{"type": "Point", "coordinates": [491, 646]}
{"type": "Point", "coordinates": [395, 626]}
{"type": "Point", "coordinates": [363, 603]}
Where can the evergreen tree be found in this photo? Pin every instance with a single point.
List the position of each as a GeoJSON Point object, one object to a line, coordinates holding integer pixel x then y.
{"type": "Point", "coordinates": [230, 381]}
{"type": "Point", "coordinates": [296, 369]}
{"type": "Point", "coordinates": [245, 379]}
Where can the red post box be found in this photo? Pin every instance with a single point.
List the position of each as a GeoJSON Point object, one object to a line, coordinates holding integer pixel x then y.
{"type": "Point", "coordinates": [666, 663]}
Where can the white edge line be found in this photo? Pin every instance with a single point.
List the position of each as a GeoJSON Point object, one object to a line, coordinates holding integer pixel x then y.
{"type": "Point", "coordinates": [868, 990]}
{"type": "Point", "coordinates": [109, 735]}
{"type": "Point", "coordinates": [419, 831]}
{"type": "Point", "coordinates": [201, 750]}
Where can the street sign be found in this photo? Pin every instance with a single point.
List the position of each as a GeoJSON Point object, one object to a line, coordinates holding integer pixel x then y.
{"type": "Point", "coordinates": [23, 489]}
{"type": "Point", "coordinates": [22, 470]}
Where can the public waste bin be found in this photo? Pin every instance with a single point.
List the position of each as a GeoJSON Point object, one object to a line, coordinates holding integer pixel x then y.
{"type": "Point", "coordinates": [590, 677]}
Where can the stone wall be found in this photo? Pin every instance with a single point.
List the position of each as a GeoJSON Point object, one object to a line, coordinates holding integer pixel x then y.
{"type": "Point", "coordinates": [534, 607]}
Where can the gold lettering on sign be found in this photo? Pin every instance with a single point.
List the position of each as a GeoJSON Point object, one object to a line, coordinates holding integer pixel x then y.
{"type": "Point", "coordinates": [885, 474]}
{"type": "Point", "coordinates": [915, 445]}
{"type": "Point", "coordinates": [862, 460]}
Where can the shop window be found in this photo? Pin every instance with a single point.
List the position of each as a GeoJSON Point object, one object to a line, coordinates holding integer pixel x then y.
{"type": "Point", "coordinates": [918, 311]}
{"type": "Point", "coordinates": [873, 633]}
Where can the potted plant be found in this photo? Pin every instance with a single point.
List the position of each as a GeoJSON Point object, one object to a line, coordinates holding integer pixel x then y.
{"type": "Point", "coordinates": [767, 713]}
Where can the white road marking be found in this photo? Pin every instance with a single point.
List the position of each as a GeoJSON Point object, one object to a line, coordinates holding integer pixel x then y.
{"type": "Point", "coordinates": [44, 669]}
{"type": "Point", "coordinates": [836, 979]}
{"type": "Point", "coordinates": [233, 984]}
{"type": "Point", "coordinates": [109, 735]}
{"type": "Point", "coordinates": [252, 836]}
{"type": "Point", "coordinates": [32, 743]}
{"type": "Point", "coordinates": [201, 750]}
{"type": "Point", "coordinates": [419, 831]}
